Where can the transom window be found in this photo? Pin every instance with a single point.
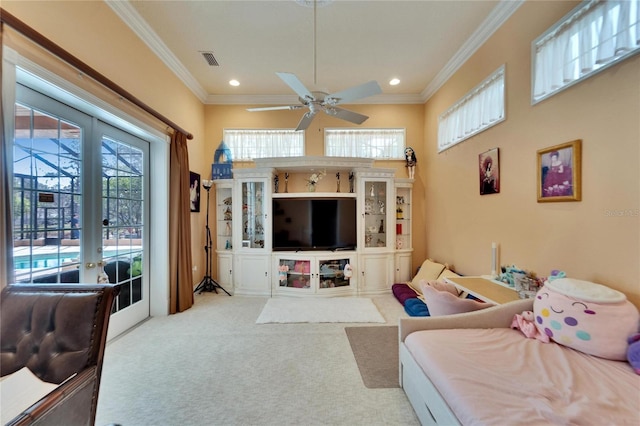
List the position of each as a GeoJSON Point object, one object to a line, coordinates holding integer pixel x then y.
{"type": "Point", "coordinates": [248, 144]}
{"type": "Point", "coordinates": [481, 108]}
{"type": "Point", "coordinates": [382, 144]}
{"type": "Point", "coordinates": [590, 38]}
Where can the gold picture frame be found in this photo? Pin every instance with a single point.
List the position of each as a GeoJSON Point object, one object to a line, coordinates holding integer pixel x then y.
{"type": "Point", "coordinates": [559, 172]}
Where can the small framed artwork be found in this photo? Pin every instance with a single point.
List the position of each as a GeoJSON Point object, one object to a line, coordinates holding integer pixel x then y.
{"type": "Point", "coordinates": [489, 169]}
{"type": "Point", "coordinates": [559, 172]}
{"type": "Point", "coordinates": [194, 191]}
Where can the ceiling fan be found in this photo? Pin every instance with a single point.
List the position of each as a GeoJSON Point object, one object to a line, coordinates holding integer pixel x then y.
{"type": "Point", "coordinates": [327, 103]}
{"type": "Point", "coordinates": [321, 101]}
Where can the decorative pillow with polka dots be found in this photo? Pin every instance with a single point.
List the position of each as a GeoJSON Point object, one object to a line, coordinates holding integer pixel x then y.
{"type": "Point", "coordinates": [586, 316]}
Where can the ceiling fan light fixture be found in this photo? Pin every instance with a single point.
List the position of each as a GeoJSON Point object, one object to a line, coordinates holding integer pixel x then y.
{"type": "Point", "coordinates": [394, 81]}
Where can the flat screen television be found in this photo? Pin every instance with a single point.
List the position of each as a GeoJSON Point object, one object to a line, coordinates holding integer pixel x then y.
{"type": "Point", "coordinates": [314, 224]}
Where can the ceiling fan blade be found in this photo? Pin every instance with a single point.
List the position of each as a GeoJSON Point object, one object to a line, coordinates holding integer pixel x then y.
{"type": "Point", "coordinates": [297, 86]}
{"type": "Point", "coordinates": [357, 92]}
{"type": "Point", "coordinates": [275, 108]}
{"type": "Point", "coordinates": [306, 120]}
{"type": "Point", "coordinates": [346, 115]}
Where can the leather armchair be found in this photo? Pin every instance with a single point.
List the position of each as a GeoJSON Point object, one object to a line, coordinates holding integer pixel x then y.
{"type": "Point", "coordinates": [57, 330]}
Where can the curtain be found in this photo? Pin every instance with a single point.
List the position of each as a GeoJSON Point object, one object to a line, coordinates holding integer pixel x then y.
{"type": "Point", "coordinates": [248, 144]}
{"type": "Point", "coordinates": [365, 143]}
{"type": "Point", "coordinates": [478, 110]}
{"type": "Point", "coordinates": [180, 273]}
{"type": "Point", "coordinates": [596, 34]}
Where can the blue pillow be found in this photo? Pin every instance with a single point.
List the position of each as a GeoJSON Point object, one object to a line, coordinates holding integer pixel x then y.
{"type": "Point", "coordinates": [416, 308]}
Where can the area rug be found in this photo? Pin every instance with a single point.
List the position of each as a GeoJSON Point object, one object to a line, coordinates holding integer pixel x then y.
{"type": "Point", "coordinates": [375, 349]}
{"type": "Point", "coordinates": [333, 309]}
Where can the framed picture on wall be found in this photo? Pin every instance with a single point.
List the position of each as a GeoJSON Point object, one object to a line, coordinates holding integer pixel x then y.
{"type": "Point", "coordinates": [559, 172]}
{"type": "Point", "coordinates": [194, 191]}
{"type": "Point", "coordinates": [489, 169]}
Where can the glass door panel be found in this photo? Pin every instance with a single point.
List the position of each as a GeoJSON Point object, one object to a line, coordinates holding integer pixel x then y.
{"type": "Point", "coordinates": [253, 215]}
{"type": "Point", "coordinates": [47, 197]}
{"type": "Point", "coordinates": [332, 273]}
{"type": "Point", "coordinates": [294, 273]}
{"type": "Point", "coordinates": [123, 218]}
{"type": "Point", "coordinates": [375, 211]}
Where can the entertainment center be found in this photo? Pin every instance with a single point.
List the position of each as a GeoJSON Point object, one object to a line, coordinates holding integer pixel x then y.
{"type": "Point", "coordinates": [275, 236]}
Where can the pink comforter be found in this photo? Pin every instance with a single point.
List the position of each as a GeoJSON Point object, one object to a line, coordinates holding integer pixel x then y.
{"type": "Point", "coordinates": [499, 377]}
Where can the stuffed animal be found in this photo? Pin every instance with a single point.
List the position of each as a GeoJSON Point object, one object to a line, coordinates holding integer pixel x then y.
{"type": "Point", "coordinates": [633, 352]}
{"type": "Point", "coordinates": [586, 316]}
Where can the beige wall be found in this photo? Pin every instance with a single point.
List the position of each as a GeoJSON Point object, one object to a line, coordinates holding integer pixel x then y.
{"type": "Point", "coordinates": [581, 238]}
{"type": "Point", "coordinates": [91, 31]}
{"type": "Point", "coordinates": [410, 117]}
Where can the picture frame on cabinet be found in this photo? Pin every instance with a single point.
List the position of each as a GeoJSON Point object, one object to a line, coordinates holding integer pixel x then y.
{"type": "Point", "coordinates": [489, 171]}
{"type": "Point", "coordinates": [559, 172]}
{"type": "Point", "coordinates": [194, 191]}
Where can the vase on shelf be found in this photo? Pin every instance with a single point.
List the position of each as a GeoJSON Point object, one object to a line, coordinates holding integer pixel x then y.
{"type": "Point", "coordinates": [311, 187]}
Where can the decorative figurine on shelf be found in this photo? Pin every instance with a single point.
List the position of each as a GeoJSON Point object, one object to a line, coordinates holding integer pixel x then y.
{"type": "Point", "coordinates": [372, 191]}
{"type": "Point", "coordinates": [286, 182]}
{"type": "Point", "coordinates": [351, 181]}
{"type": "Point", "coordinates": [348, 271]}
{"type": "Point", "coordinates": [410, 158]}
{"type": "Point", "coordinates": [381, 228]}
{"type": "Point", "coordinates": [338, 182]}
{"type": "Point", "coordinates": [276, 183]}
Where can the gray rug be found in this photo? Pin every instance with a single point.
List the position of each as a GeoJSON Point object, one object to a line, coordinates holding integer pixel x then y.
{"type": "Point", "coordinates": [375, 349]}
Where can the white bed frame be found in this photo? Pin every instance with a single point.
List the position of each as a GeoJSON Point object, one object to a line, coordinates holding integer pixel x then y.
{"type": "Point", "coordinates": [430, 407]}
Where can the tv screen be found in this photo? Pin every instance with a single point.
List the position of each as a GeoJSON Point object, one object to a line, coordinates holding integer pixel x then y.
{"type": "Point", "coordinates": [314, 224]}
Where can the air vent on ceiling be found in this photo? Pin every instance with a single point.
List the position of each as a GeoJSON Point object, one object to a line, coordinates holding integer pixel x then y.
{"type": "Point", "coordinates": [211, 60]}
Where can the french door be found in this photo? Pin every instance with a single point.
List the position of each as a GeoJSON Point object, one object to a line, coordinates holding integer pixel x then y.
{"type": "Point", "coordinates": [80, 211]}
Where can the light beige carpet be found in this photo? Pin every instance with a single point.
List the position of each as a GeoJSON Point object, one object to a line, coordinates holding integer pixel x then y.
{"type": "Point", "coordinates": [318, 310]}
{"type": "Point", "coordinates": [375, 349]}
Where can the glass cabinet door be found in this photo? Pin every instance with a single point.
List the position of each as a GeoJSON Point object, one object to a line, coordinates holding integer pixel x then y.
{"type": "Point", "coordinates": [375, 214]}
{"type": "Point", "coordinates": [253, 214]}
{"type": "Point", "coordinates": [224, 214]}
{"type": "Point", "coordinates": [294, 273]}
{"type": "Point", "coordinates": [332, 273]}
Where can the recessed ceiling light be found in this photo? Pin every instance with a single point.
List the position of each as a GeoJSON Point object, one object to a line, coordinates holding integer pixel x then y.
{"type": "Point", "coordinates": [234, 82]}
{"type": "Point", "coordinates": [394, 81]}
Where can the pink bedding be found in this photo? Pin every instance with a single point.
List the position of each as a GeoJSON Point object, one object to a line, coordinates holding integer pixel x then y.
{"type": "Point", "coordinates": [515, 380]}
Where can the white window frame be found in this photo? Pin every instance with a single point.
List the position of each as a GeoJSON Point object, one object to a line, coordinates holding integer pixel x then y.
{"type": "Point", "coordinates": [592, 37]}
{"type": "Point", "coordinates": [376, 143]}
{"type": "Point", "coordinates": [481, 108]}
{"type": "Point", "coordinates": [249, 144]}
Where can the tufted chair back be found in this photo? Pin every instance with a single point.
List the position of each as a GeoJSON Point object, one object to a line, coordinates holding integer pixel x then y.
{"type": "Point", "coordinates": [55, 330]}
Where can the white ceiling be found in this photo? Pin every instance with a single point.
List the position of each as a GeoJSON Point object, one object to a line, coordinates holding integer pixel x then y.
{"type": "Point", "coordinates": [421, 42]}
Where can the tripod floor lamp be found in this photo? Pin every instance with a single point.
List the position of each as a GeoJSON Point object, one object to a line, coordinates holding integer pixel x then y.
{"type": "Point", "coordinates": [208, 283]}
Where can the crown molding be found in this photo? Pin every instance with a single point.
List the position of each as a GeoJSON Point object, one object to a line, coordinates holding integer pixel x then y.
{"type": "Point", "coordinates": [132, 18]}
{"type": "Point", "coordinates": [495, 20]}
